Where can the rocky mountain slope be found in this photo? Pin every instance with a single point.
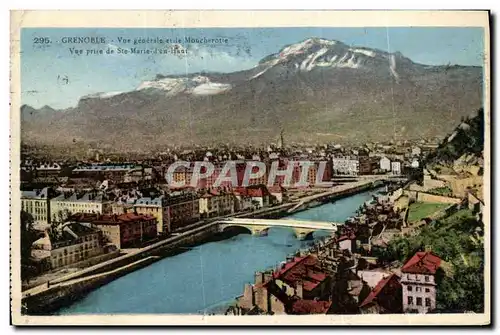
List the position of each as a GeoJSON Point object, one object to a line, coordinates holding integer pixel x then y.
{"type": "Point", "coordinates": [317, 90]}
{"type": "Point", "coordinates": [467, 139]}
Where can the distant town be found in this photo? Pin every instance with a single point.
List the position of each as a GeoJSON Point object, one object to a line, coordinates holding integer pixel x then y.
{"type": "Point", "coordinates": [88, 218]}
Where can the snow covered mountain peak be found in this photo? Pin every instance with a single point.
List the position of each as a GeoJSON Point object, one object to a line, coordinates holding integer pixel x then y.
{"type": "Point", "coordinates": [198, 85]}
{"type": "Point", "coordinates": [315, 53]}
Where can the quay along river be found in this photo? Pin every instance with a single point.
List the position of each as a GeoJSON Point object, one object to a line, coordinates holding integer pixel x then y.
{"type": "Point", "coordinates": [207, 278]}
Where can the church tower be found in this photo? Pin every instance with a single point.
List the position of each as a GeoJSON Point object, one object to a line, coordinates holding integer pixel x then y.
{"type": "Point", "coordinates": [281, 140]}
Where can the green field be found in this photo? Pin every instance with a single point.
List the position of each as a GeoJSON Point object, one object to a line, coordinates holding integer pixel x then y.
{"type": "Point", "coordinates": [421, 210]}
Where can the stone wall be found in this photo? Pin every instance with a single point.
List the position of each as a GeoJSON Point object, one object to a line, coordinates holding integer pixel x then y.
{"type": "Point", "coordinates": [92, 261]}
{"type": "Point", "coordinates": [427, 197]}
{"type": "Point", "coordinates": [396, 195]}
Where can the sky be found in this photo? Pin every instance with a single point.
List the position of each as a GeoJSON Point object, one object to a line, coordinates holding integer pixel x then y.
{"type": "Point", "coordinates": [52, 75]}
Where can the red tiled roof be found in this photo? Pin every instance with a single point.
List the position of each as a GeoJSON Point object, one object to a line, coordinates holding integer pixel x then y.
{"type": "Point", "coordinates": [311, 306]}
{"type": "Point", "coordinates": [377, 290]}
{"type": "Point", "coordinates": [310, 285]}
{"type": "Point", "coordinates": [257, 191]}
{"type": "Point", "coordinates": [422, 262]}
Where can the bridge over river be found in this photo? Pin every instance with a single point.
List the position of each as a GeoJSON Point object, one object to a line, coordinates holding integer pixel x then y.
{"type": "Point", "coordinates": [303, 229]}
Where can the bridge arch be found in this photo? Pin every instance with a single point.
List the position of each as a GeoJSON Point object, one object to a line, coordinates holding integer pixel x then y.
{"type": "Point", "coordinates": [235, 228]}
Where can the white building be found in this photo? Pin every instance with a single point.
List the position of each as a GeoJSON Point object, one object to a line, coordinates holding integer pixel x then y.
{"type": "Point", "coordinates": [37, 203]}
{"type": "Point", "coordinates": [385, 164]}
{"type": "Point", "coordinates": [345, 166]}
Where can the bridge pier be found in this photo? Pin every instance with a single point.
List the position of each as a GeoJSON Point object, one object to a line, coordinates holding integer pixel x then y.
{"type": "Point", "coordinates": [303, 234]}
{"type": "Point", "coordinates": [260, 232]}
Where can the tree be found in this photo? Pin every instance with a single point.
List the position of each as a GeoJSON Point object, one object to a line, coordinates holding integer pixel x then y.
{"type": "Point", "coordinates": [458, 241]}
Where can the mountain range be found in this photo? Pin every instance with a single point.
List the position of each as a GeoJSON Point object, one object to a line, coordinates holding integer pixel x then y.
{"type": "Point", "coordinates": [316, 90]}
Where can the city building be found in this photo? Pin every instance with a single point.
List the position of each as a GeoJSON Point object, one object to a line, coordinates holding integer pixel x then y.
{"type": "Point", "coordinates": [209, 205]}
{"type": "Point", "coordinates": [276, 191]}
{"type": "Point", "coordinates": [113, 172]}
{"type": "Point", "coordinates": [156, 207]}
{"type": "Point", "coordinates": [79, 202]}
{"type": "Point", "coordinates": [347, 242]}
{"type": "Point", "coordinates": [416, 151]}
{"type": "Point", "coordinates": [259, 195]}
{"type": "Point", "coordinates": [225, 201]}
{"type": "Point", "coordinates": [385, 298]}
{"type": "Point", "coordinates": [42, 170]}
{"type": "Point", "coordinates": [183, 209]}
{"type": "Point", "coordinates": [418, 280]}
{"type": "Point", "coordinates": [183, 175]}
{"type": "Point", "coordinates": [345, 166]}
{"type": "Point", "coordinates": [37, 204]}
{"type": "Point", "coordinates": [385, 164]}
{"type": "Point", "coordinates": [396, 167]}
{"type": "Point", "coordinates": [138, 174]}
{"type": "Point", "coordinates": [367, 165]}
{"type": "Point", "coordinates": [298, 287]}
{"type": "Point", "coordinates": [242, 201]}
{"type": "Point", "coordinates": [70, 244]}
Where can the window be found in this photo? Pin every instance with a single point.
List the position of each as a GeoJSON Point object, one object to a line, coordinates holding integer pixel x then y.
{"type": "Point", "coordinates": [428, 302]}
{"type": "Point", "coordinates": [426, 278]}
{"type": "Point", "coordinates": [418, 289]}
{"type": "Point", "coordinates": [427, 290]}
{"type": "Point", "coordinates": [410, 288]}
{"type": "Point", "coordinates": [410, 300]}
{"type": "Point", "coordinates": [419, 301]}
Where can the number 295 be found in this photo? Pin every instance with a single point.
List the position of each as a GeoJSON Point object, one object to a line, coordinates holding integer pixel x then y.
{"type": "Point", "coordinates": [41, 40]}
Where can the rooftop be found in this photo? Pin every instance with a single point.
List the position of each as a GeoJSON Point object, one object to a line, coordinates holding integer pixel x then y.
{"type": "Point", "coordinates": [303, 306]}
{"type": "Point", "coordinates": [381, 286]}
{"type": "Point", "coordinates": [98, 219]}
{"type": "Point", "coordinates": [81, 197]}
{"type": "Point", "coordinates": [36, 194]}
{"type": "Point", "coordinates": [301, 270]}
{"type": "Point", "coordinates": [423, 262]}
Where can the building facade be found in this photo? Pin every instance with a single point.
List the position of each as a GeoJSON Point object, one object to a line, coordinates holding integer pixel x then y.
{"type": "Point", "coordinates": [156, 207]}
{"type": "Point", "coordinates": [385, 164]}
{"type": "Point", "coordinates": [37, 204]}
{"type": "Point", "coordinates": [183, 209]}
{"type": "Point", "coordinates": [125, 230]}
{"type": "Point", "coordinates": [73, 243]}
{"type": "Point", "coordinates": [396, 167]}
{"type": "Point", "coordinates": [345, 166]}
{"type": "Point", "coordinates": [74, 202]}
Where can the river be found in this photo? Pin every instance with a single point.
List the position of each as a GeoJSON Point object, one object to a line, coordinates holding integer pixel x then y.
{"type": "Point", "coordinates": [207, 278]}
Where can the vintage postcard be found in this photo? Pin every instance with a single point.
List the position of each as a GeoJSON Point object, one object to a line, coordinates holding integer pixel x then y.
{"type": "Point", "coordinates": [250, 168]}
